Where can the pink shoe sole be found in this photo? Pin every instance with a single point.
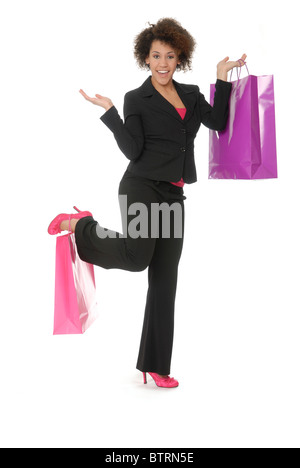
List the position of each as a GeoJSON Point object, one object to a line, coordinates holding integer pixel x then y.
{"type": "Point", "coordinates": [164, 382]}
{"type": "Point", "coordinates": [54, 226]}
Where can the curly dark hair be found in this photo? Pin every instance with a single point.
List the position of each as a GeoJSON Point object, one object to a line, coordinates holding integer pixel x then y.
{"type": "Point", "coordinates": [168, 31]}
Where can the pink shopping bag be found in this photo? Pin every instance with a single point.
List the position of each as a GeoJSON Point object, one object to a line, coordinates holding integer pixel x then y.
{"type": "Point", "coordinates": [75, 307]}
{"type": "Point", "coordinates": [246, 149]}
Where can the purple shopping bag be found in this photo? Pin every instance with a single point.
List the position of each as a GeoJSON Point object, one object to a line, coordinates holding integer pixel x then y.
{"type": "Point", "coordinates": [246, 149]}
{"type": "Point", "coordinates": [75, 307]}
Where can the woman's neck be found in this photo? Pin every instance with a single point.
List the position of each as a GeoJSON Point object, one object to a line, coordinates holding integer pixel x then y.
{"type": "Point", "coordinates": [164, 89]}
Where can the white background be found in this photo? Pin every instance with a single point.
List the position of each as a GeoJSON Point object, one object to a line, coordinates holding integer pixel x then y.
{"type": "Point", "coordinates": [236, 349]}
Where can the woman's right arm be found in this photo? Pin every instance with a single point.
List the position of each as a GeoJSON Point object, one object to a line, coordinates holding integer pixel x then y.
{"type": "Point", "coordinates": [129, 134]}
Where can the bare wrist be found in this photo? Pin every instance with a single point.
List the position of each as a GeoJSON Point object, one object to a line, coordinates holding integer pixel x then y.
{"type": "Point", "coordinates": [222, 76]}
{"type": "Point", "coordinates": [109, 106]}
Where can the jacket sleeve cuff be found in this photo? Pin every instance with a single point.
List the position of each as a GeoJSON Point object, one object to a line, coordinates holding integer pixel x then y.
{"type": "Point", "coordinates": [110, 118]}
{"type": "Point", "coordinates": [225, 84]}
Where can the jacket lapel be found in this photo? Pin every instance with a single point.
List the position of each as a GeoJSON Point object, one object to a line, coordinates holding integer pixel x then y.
{"type": "Point", "coordinates": [185, 93]}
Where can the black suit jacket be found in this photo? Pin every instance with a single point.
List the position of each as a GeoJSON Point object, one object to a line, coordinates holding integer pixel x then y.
{"type": "Point", "coordinates": [154, 137]}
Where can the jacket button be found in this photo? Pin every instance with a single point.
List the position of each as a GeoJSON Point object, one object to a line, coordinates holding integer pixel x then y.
{"type": "Point", "coordinates": [183, 149]}
{"type": "Point", "coordinates": [183, 130]}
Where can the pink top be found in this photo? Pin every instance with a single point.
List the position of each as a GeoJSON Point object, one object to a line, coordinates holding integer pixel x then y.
{"type": "Point", "coordinates": [182, 113]}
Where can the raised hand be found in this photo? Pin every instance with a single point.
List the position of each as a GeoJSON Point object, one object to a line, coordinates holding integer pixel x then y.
{"type": "Point", "coordinates": [99, 100]}
{"type": "Point", "coordinates": [224, 66]}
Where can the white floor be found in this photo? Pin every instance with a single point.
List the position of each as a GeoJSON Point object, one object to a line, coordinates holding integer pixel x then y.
{"type": "Point", "coordinates": [83, 391]}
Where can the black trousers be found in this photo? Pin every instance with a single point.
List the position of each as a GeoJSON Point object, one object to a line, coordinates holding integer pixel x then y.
{"type": "Point", "coordinates": [155, 248]}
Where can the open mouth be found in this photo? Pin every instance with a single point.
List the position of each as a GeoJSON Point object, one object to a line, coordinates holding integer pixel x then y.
{"type": "Point", "coordinates": [163, 73]}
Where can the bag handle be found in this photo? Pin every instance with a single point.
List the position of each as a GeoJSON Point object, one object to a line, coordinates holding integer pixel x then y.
{"type": "Point", "coordinates": [238, 72]}
{"type": "Point", "coordinates": [71, 243]}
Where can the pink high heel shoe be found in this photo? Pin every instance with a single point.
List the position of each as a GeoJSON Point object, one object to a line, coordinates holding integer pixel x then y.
{"type": "Point", "coordinates": [54, 226]}
{"type": "Point", "coordinates": [166, 382]}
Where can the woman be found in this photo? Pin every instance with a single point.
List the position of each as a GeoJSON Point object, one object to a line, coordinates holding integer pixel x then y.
{"type": "Point", "coordinates": [161, 120]}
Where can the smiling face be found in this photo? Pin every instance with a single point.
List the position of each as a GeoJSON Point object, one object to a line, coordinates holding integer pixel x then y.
{"type": "Point", "coordinates": [163, 60]}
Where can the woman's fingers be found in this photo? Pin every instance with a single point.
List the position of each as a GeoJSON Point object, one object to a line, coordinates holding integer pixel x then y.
{"type": "Point", "coordinates": [99, 100]}
{"type": "Point", "coordinates": [243, 58]}
{"type": "Point", "coordinates": [85, 95]}
{"type": "Point", "coordinates": [94, 100]}
{"type": "Point", "coordinates": [90, 98]}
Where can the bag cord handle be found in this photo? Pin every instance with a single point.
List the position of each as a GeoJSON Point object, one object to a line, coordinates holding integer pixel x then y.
{"type": "Point", "coordinates": [70, 242]}
{"type": "Point", "coordinates": [238, 72]}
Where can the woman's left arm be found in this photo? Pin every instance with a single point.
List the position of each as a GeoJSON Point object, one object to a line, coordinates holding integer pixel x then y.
{"type": "Point", "coordinates": [215, 117]}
